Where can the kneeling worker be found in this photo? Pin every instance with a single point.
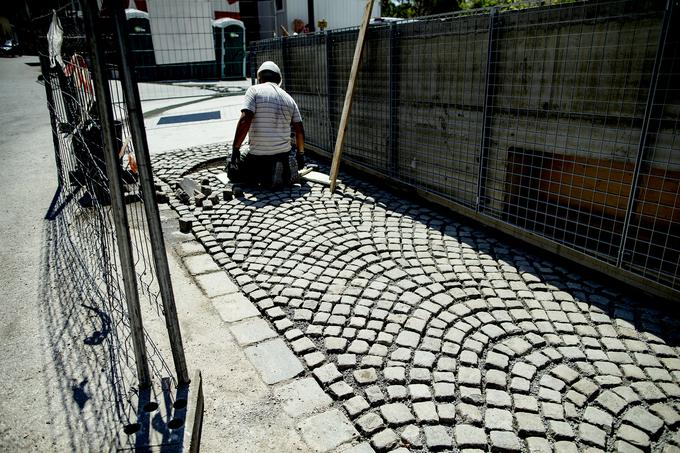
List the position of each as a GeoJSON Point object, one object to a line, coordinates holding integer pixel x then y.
{"type": "Point", "coordinates": [266, 116]}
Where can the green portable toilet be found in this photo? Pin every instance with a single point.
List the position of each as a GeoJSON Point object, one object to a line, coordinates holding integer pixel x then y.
{"type": "Point", "coordinates": [230, 48]}
{"type": "Point", "coordinates": [141, 43]}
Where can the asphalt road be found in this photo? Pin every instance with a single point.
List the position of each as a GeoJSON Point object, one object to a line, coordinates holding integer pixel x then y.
{"type": "Point", "coordinates": [27, 184]}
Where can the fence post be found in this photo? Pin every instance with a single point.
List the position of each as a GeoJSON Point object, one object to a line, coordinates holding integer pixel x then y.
{"type": "Point", "coordinates": [284, 62]}
{"type": "Point", "coordinates": [148, 192]}
{"type": "Point", "coordinates": [127, 263]}
{"type": "Point", "coordinates": [392, 149]}
{"type": "Point", "coordinates": [253, 64]}
{"type": "Point", "coordinates": [52, 107]}
{"type": "Point", "coordinates": [644, 133]}
{"type": "Point", "coordinates": [486, 116]}
{"type": "Point", "coordinates": [329, 85]}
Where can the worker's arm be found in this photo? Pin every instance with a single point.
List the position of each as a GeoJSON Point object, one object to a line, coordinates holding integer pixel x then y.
{"type": "Point", "coordinates": [242, 129]}
{"type": "Point", "coordinates": [299, 143]}
{"type": "Point", "coordinates": [299, 137]}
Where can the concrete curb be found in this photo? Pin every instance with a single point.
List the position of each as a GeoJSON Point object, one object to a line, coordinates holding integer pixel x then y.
{"type": "Point", "coordinates": [181, 407]}
{"type": "Point", "coordinates": [194, 420]}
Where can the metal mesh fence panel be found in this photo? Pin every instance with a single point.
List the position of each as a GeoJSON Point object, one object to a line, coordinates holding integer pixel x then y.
{"type": "Point", "coordinates": [84, 275]}
{"type": "Point", "coordinates": [568, 99]}
{"type": "Point", "coordinates": [652, 242]}
{"type": "Point", "coordinates": [556, 122]}
{"type": "Point", "coordinates": [182, 50]}
{"type": "Point", "coordinates": [441, 67]}
{"type": "Point", "coordinates": [305, 69]}
{"type": "Point", "coordinates": [366, 142]}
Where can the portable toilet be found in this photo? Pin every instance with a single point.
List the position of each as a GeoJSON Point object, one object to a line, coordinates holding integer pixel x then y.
{"type": "Point", "coordinates": [230, 48]}
{"type": "Point", "coordinates": [141, 43]}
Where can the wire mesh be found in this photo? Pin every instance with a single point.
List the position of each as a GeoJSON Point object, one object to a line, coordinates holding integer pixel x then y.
{"type": "Point", "coordinates": [652, 246]}
{"type": "Point", "coordinates": [83, 269]}
{"type": "Point", "coordinates": [546, 118]}
{"type": "Point", "coordinates": [178, 51]}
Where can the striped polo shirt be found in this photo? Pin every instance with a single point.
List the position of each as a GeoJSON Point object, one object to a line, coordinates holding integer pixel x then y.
{"type": "Point", "coordinates": [274, 111]}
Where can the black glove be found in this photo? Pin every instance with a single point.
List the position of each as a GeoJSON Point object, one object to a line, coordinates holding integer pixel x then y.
{"type": "Point", "coordinates": [300, 158]}
{"type": "Point", "coordinates": [235, 156]}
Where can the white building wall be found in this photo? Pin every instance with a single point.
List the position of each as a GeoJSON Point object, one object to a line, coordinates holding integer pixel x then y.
{"type": "Point", "coordinates": [223, 5]}
{"type": "Point", "coordinates": [296, 9]}
{"type": "Point", "coordinates": [267, 13]}
{"type": "Point", "coordinates": [344, 13]}
{"type": "Point", "coordinates": [338, 13]}
{"type": "Point", "coordinates": [182, 30]}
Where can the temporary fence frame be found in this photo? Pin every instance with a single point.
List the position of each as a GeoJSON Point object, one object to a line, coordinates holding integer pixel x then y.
{"type": "Point", "coordinates": [602, 154]}
{"type": "Point", "coordinates": [94, 201]}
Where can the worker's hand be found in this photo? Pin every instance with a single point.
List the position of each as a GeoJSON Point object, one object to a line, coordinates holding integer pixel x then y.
{"type": "Point", "coordinates": [300, 158]}
{"type": "Point", "coordinates": [235, 156]}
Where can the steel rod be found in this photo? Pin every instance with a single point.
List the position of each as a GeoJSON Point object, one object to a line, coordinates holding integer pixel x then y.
{"type": "Point", "coordinates": [393, 68]}
{"type": "Point", "coordinates": [138, 133]}
{"type": "Point", "coordinates": [51, 106]}
{"type": "Point", "coordinates": [103, 97]}
{"type": "Point", "coordinates": [644, 133]}
{"type": "Point", "coordinates": [329, 86]}
{"type": "Point", "coordinates": [486, 117]}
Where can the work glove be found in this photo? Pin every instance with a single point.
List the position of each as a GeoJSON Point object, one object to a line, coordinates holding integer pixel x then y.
{"type": "Point", "coordinates": [235, 156]}
{"type": "Point", "coordinates": [232, 166]}
{"type": "Point", "coordinates": [300, 158]}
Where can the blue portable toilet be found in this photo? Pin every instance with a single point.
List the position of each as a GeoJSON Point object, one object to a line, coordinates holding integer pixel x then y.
{"type": "Point", "coordinates": [230, 48]}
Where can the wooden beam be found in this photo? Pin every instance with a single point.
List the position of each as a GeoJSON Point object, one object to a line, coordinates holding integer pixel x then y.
{"type": "Point", "coordinates": [347, 107]}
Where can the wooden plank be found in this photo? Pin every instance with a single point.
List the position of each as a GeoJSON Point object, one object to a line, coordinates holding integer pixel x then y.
{"type": "Point", "coordinates": [316, 177]}
{"type": "Point", "coordinates": [347, 107]}
{"type": "Point", "coordinates": [223, 178]}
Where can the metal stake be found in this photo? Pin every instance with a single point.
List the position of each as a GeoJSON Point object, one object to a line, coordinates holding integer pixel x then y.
{"type": "Point", "coordinates": [329, 87]}
{"type": "Point", "coordinates": [141, 147]}
{"type": "Point", "coordinates": [486, 117]}
{"type": "Point", "coordinates": [644, 134]}
{"type": "Point", "coordinates": [392, 157]}
{"type": "Point", "coordinates": [90, 13]}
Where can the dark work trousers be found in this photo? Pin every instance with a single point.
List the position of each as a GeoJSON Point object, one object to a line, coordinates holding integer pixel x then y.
{"type": "Point", "coordinates": [278, 170]}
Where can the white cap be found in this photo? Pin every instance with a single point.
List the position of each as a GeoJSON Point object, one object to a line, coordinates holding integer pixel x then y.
{"type": "Point", "coordinates": [269, 66]}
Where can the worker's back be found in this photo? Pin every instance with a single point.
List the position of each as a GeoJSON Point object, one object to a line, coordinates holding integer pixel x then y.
{"type": "Point", "coordinates": [274, 111]}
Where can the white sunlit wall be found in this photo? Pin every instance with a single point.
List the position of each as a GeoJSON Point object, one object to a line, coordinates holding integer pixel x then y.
{"type": "Point", "coordinates": [347, 13]}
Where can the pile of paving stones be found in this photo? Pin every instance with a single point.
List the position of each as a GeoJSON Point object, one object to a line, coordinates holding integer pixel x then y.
{"type": "Point", "coordinates": [432, 334]}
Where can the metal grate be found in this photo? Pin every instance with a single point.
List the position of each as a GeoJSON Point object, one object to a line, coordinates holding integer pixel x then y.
{"type": "Point", "coordinates": [559, 123]}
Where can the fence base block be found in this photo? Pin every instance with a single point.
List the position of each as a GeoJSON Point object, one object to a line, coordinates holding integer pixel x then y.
{"type": "Point", "coordinates": [169, 419]}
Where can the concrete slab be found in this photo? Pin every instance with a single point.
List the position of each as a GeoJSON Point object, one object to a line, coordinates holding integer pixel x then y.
{"type": "Point", "coordinates": [326, 431]}
{"type": "Point", "coordinates": [163, 138]}
{"type": "Point", "coordinates": [274, 360]}
{"type": "Point", "coordinates": [201, 264]}
{"type": "Point", "coordinates": [302, 397]}
{"type": "Point", "coordinates": [252, 331]}
{"type": "Point", "coordinates": [190, 248]}
{"type": "Point", "coordinates": [216, 284]}
{"type": "Point", "coordinates": [235, 307]}
{"type": "Point", "coordinates": [363, 447]}
{"type": "Point", "coordinates": [239, 408]}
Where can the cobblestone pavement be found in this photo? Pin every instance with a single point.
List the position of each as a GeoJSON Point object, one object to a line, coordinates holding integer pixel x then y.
{"type": "Point", "coordinates": [431, 334]}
